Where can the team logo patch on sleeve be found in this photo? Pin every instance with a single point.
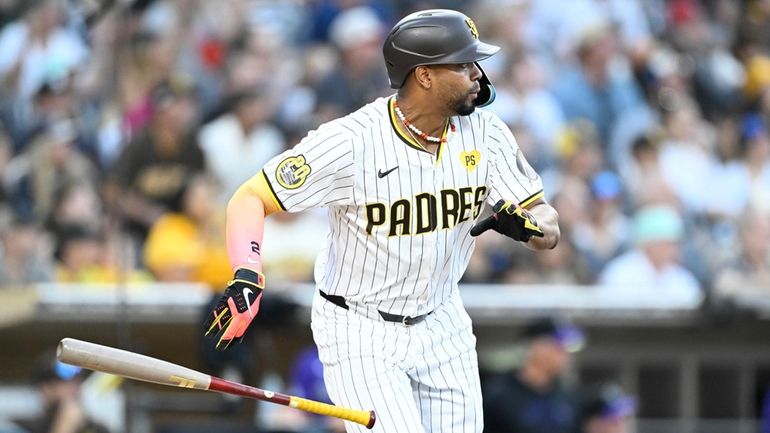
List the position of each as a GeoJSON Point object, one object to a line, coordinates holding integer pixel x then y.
{"type": "Point", "coordinates": [470, 160]}
{"type": "Point", "coordinates": [292, 172]}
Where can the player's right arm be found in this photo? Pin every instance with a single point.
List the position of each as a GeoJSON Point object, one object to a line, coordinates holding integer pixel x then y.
{"type": "Point", "coordinates": [317, 172]}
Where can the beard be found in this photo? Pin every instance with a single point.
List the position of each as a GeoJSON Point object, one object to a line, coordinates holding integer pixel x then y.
{"type": "Point", "coordinates": [464, 108]}
{"type": "Point", "coordinates": [463, 105]}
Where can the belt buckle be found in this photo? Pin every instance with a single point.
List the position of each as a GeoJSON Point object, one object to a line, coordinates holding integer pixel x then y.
{"type": "Point", "coordinates": [404, 319]}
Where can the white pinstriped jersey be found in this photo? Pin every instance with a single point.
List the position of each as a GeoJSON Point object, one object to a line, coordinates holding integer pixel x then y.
{"type": "Point", "coordinates": [399, 215]}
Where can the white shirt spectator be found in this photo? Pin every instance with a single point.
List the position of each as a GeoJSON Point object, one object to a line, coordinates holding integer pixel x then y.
{"type": "Point", "coordinates": [233, 155]}
{"type": "Point", "coordinates": [61, 53]}
{"type": "Point", "coordinates": [633, 274]}
{"type": "Point", "coordinates": [688, 184]}
{"type": "Point", "coordinates": [559, 23]}
{"type": "Point", "coordinates": [736, 188]}
{"type": "Point", "coordinates": [538, 110]}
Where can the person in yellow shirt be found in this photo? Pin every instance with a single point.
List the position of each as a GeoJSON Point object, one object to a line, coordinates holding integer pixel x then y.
{"type": "Point", "coordinates": [87, 256]}
{"type": "Point", "coordinates": [188, 244]}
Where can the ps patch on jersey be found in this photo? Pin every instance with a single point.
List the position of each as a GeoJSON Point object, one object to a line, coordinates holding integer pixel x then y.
{"type": "Point", "coordinates": [292, 172]}
{"type": "Point", "coordinates": [470, 159]}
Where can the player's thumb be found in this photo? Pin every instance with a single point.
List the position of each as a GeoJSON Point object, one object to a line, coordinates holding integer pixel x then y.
{"type": "Point", "coordinates": [483, 226]}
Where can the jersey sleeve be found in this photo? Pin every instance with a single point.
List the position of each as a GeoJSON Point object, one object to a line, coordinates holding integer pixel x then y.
{"type": "Point", "coordinates": [511, 176]}
{"type": "Point", "coordinates": [317, 172]}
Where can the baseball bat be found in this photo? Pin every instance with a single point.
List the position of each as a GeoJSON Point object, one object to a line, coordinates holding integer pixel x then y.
{"type": "Point", "coordinates": [147, 369]}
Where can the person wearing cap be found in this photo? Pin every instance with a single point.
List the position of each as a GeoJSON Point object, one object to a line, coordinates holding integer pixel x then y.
{"type": "Point", "coordinates": [357, 34]}
{"type": "Point", "coordinates": [59, 387]}
{"type": "Point", "coordinates": [151, 170]}
{"type": "Point", "coordinates": [605, 233]}
{"type": "Point", "coordinates": [651, 268]}
{"type": "Point", "coordinates": [405, 179]}
{"type": "Point", "coordinates": [607, 410]}
{"type": "Point", "coordinates": [533, 398]}
{"type": "Point", "coordinates": [51, 162]}
{"type": "Point", "coordinates": [242, 132]}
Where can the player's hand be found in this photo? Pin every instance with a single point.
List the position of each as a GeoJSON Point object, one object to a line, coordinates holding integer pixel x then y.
{"type": "Point", "coordinates": [236, 308]}
{"type": "Point", "coordinates": [511, 220]}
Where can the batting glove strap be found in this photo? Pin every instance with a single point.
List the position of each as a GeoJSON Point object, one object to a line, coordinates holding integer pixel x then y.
{"type": "Point", "coordinates": [249, 276]}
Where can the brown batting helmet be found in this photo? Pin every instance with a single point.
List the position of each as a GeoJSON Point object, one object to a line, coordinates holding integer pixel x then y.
{"type": "Point", "coordinates": [436, 37]}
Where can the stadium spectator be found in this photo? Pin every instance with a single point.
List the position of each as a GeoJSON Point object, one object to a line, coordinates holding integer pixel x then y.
{"type": "Point", "coordinates": [604, 234]}
{"type": "Point", "coordinates": [749, 271]}
{"type": "Point", "coordinates": [580, 156]}
{"type": "Point", "coordinates": [643, 176]}
{"type": "Point", "coordinates": [187, 243]}
{"type": "Point", "coordinates": [63, 411]}
{"type": "Point", "coordinates": [745, 181]}
{"type": "Point", "coordinates": [76, 204]}
{"type": "Point", "coordinates": [522, 98]}
{"type": "Point", "coordinates": [595, 91]}
{"type": "Point", "coordinates": [286, 261]}
{"type": "Point", "coordinates": [79, 254]}
{"type": "Point", "coordinates": [651, 269]}
{"type": "Point", "coordinates": [51, 163]}
{"type": "Point", "coordinates": [359, 76]}
{"type": "Point", "coordinates": [38, 49]}
{"type": "Point", "coordinates": [24, 256]}
{"type": "Point", "coordinates": [151, 170]}
{"type": "Point", "coordinates": [533, 398]}
{"type": "Point", "coordinates": [562, 265]}
{"type": "Point", "coordinates": [688, 142]}
{"type": "Point", "coordinates": [243, 133]}
{"type": "Point", "coordinates": [607, 409]}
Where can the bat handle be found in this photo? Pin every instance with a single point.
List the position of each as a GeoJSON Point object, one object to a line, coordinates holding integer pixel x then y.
{"type": "Point", "coordinates": [357, 416]}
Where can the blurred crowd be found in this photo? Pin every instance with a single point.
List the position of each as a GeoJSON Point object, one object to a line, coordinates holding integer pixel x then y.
{"type": "Point", "coordinates": [122, 134]}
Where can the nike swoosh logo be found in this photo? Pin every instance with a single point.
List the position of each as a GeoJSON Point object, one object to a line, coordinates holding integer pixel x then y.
{"type": "Point", "coordinates": [250, 260]}
{"type": "Point", "coordinates": [382, 174]}
{"type": "Point", "coordinates": [246, 293]}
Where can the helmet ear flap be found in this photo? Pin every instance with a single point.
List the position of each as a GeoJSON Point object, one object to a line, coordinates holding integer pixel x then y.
{"type": "Point", "coordinates": [487, 93]}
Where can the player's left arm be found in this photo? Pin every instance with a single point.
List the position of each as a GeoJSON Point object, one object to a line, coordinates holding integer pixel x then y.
{"type": "Point", "coordinates": [516, 192]}
{"type": "Point", "coordinates": [547, 220]}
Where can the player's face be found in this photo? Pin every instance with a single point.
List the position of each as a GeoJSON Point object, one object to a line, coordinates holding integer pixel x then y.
{"type": "Point", "coordinates": [458, 87]}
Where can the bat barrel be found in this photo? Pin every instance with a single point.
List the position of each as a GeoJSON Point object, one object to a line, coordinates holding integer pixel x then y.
{"type": "Point", "coordinates": [128, 364]}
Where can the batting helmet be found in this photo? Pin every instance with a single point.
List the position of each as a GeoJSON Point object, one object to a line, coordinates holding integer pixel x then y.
{"type": "Point", "coordinates": [436, 37]}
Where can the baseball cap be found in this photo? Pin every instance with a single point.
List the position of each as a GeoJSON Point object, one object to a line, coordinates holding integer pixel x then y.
{"type": "Point", "coordinates": [605, 185]}
{"type": "Point", "coordinates": [752, 126]}
{"type": "Point", "coordinates": [657, 223]}
{"type": "Point", "coordinates": [610, 402]}
{"type": "Point", "coordinates": [564, 332]}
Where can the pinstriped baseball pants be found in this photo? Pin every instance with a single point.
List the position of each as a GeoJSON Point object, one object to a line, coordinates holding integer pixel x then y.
{"type": "Point", "coordinates": [419, 379]}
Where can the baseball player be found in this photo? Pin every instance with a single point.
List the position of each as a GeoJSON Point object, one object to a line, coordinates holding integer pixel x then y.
{"type": "Point", "coordinates": [404, 178]}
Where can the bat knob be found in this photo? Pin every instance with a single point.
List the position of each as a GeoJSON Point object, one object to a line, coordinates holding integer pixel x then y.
{"type": "Point", "coordinates": [372, 420]}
